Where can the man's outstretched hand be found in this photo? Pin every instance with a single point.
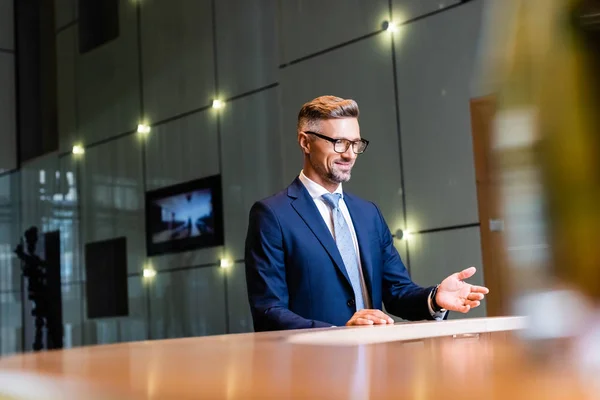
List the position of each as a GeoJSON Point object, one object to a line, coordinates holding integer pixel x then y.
{"type": "Point", "coordinates": [455, 295]}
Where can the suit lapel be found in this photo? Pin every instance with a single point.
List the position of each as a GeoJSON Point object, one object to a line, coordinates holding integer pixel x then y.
{"type": "Point", "coordinates": [308, 211]}
{"type": "Point", "coordinates": [362, 235]}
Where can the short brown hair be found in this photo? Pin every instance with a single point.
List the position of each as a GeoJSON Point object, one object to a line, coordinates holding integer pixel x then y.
{"type": "Point", "coordinates": [326, 107]}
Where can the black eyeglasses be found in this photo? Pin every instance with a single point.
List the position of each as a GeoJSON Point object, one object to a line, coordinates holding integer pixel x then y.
{"type": "Point", "coordinates": [342, 145]}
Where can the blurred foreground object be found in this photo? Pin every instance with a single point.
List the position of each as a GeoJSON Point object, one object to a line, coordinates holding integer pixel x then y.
{"type": "Point", "coordinates": [542, 61]}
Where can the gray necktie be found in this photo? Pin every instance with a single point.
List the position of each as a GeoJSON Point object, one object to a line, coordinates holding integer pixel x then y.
{"type": "Point", "coordinates": [343, 239]}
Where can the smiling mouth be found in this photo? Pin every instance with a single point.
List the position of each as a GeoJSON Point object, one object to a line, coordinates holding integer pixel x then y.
{"type": "Point", "coordinates": [345, 165]}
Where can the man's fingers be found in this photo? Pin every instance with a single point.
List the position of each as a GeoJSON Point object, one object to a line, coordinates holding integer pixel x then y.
{"type": "Point", "coordinates": [475, 296]}
{"type": "Point", "coordinates": [376, 315]}
{"type": "Point", "coordinates": [472, 304]}
{"type": "Point", "coordinates": [466, 273]}
{"type": "Point", "coordinates": [370, 317]}
{"type": "Point", "coordinates": [368, 320]}
{"type": "Point", "coordinates": [479, 289]}
{"type": "Point", "coordinates": [463, 309]}
{"type": "Point", "coordinates": [359, 321]}
{"type": "Point", "coordinates": [375, 318]}
{"type": "Point", "coordinates": [362, 321]}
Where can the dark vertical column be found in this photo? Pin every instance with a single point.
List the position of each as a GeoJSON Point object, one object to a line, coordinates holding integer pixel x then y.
{"type": "Point", "coordinates": [55, 333]}
{"type": "Point", "coordinates": [35, 72]}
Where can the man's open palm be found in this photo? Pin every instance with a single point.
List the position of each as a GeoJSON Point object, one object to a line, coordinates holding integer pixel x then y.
{"type": "Point", "coordinates": [456, 295]}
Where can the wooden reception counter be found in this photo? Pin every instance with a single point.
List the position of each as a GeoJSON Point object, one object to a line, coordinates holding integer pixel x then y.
{"type": "Point", "coordinates": [462, 359]}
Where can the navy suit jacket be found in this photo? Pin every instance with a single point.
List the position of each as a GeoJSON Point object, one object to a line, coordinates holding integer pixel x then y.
{"type": "Point", "coordinates": [295, 274]}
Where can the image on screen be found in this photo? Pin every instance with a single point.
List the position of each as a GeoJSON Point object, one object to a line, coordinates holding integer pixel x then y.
{"type": "Point", "coordinates": [184, 216]}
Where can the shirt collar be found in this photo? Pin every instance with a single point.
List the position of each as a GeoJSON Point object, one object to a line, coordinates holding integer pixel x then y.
{"type": "Point", "coordinates": [314, 189]}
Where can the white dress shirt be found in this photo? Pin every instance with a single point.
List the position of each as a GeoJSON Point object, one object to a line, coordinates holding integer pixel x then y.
{"type": "Point", "coordinates": [316, 192]}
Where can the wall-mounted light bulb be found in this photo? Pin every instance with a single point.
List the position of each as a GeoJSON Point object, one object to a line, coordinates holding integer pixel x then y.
{"type": "Point", "coordinates": [143, 129]}
{"type": "Point", "coordinates": [225, 263]}
{"type": "Point", "coordinates": [149, 273]}
{"type": "Point", "coordinates": [218, 103]}
{"type": "Point", "coordinates": [78, 149]}
{"type": "Point", "coordinates": [390, 26]}
{"type": "Point", "coordinates": [404, 234]}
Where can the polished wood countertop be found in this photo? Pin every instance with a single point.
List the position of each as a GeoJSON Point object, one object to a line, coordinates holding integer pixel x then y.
{"type": "Point", "coordinates": [466, 359]}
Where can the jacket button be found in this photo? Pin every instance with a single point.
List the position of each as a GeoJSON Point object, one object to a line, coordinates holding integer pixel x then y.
{"type": "Point", "coordinates": [351, 303]}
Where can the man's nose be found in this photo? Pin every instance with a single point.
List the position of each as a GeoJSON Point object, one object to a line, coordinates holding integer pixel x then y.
{"type": "Point", "coordinates": [349, 153]}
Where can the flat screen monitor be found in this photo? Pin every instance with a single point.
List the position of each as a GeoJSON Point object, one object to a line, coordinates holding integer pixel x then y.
{"type": "Point", "coordinates": [184, 217]}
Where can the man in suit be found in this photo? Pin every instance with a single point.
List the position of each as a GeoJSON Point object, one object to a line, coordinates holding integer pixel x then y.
{"type": "Point", "coordinates": [317, 256]}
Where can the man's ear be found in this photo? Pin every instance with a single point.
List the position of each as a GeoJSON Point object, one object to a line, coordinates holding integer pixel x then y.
{"type": "Point", "coordinates": [304, 142]}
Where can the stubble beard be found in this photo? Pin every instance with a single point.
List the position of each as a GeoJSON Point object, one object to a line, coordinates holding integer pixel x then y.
{"type": "Point", "coordinates": [334, 175]}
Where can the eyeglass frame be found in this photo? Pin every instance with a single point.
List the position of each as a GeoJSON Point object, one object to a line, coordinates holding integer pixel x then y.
{"type": "Point", "coordinates": [335, 141]}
